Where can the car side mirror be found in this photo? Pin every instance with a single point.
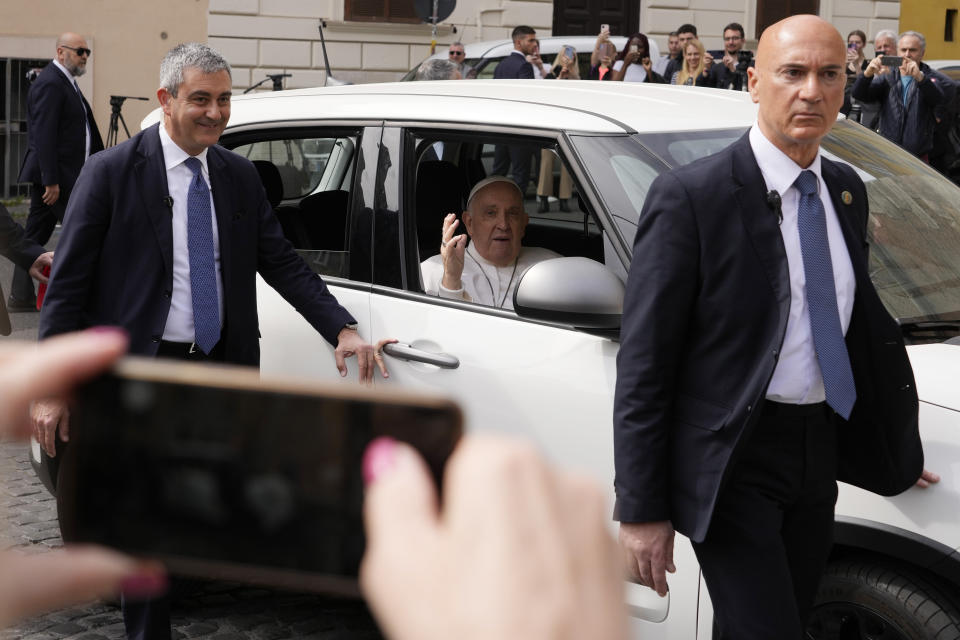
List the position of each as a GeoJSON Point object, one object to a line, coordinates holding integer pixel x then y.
{"type": "Point", "coordinates": [575, 291]}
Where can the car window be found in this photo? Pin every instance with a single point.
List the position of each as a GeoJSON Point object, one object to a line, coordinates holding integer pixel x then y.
{"type": "Point", "coordinates": [308, 179]}
{"type": "Point", "coordinates": [914, 224]}
{"type": "Point", "coordinates": [449, 164]}
{"type": "Point", "coordinates": [623, 171]}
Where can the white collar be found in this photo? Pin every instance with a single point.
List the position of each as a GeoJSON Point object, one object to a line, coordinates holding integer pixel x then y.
{"type": "Point", "coordinates": [778, 169]}
{"type": "Point", "coordinates": [483, 262]}
{"type": "Point", "coordinates": [173, 155]}
{"type": "Point", "coordinates": [65, 71]}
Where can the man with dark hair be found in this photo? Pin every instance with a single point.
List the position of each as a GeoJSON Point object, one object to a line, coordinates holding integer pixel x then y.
{"type": "Point", "coordinates": [514, 160]}
{"type": "Point", "coordinates": [911, 95]}
{"type": "Point", "coordinates": [730, 73]}
{"type": "Point", "coordinates": [685, 33]}
{"type": "Point", "coordinates": [61, 136]}
{"type": "Point", "coordinates": [673, 53]}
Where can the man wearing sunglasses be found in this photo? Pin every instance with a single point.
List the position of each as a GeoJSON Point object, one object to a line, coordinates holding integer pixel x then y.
{"type": "Point", "coordinates": [61, 136]}
{"type": "Point", "coordinates": [456, 54]}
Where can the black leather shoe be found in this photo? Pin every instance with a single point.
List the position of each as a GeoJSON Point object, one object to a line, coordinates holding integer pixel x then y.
{"type": "Point", "coordinates": [563, 206]}
{"type": "Point", "coordinates": [15, 304]}
{"type": "Point", "coordinates": [543, 204]}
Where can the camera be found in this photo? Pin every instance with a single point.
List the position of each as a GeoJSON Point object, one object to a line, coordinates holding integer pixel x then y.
{"type": "Point", "coordinates": [744, 58]}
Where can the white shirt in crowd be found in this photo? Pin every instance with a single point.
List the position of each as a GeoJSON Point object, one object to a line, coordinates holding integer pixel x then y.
{"type": "Point", "coordinates": [483, 282]}
{"type": "Point", "coordinates": [635, 72]}
{"type": "Point", "coordinates": [797, 378]}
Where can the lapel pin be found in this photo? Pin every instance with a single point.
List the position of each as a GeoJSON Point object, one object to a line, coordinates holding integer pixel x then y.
{"type": "Point", "coordinates": [847, 197]}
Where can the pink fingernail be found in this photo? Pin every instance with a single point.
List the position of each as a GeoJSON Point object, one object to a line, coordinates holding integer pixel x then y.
{"type": "Point", "coordinates": [144, 586]}
{"type": "Point", "coordinates": [378, 458]}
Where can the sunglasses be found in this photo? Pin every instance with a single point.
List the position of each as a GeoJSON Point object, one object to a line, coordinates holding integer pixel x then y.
{"type": "Point", "coordinates": [456, 53]}
{"type": "Point", "coordinates": [81, 51]}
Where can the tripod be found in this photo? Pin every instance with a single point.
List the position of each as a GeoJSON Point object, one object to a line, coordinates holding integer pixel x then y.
{"type": "Point", "coordinates": [116, 118]}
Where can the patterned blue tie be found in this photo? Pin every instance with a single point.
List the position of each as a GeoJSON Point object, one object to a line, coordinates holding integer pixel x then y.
{"type": "Point", "coordinates": [822, 298]}
{"type": "Point", "coordinates": [203, 276]}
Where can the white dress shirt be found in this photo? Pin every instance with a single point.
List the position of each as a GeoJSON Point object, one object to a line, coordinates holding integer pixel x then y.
{"type": "Point", "coordinates": [86, 121]}
{"type": "Point", "coordinates": [797, 378]}
{"type": "Point", "coordinates": [179, 327]}
{"type": "Point", "coordinates": [482, 281]}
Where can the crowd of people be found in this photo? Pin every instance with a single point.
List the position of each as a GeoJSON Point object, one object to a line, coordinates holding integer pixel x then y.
{"type": "Point", "coordinates": [903, 99]}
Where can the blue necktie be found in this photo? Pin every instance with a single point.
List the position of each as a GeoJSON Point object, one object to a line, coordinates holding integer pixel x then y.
{"type": "Point", "coordinates": [203, 276]}
{"type": "Point", "coordinates": [822, 298]}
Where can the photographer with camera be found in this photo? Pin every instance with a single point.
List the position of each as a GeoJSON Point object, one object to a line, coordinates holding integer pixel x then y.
{"type": "Point", "coordinates": [910, 93]}
{"type": "Point", "coordinates": [731, 73]}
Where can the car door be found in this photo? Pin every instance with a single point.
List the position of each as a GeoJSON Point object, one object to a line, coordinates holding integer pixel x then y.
{"type": "Point", "coordinates": [551, 384]}
{"type": "Point", "coordinates": [328, 173]}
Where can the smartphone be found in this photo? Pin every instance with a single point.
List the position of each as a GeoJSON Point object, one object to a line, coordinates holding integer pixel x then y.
{"type": "Point", "coordinates": [220, 474]}
{"type": "Point", "coordinates": [634, 48]}
{"type": "Point", "coordinates": [851, 45]}
{"type": "Point", "coordinates": [891, 61]}
{"type": "Point", "coordinates": [568, 52]}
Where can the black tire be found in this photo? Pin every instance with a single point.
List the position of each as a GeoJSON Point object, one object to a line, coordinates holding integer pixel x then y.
{"type": "Point", "coordinates": [875, 600]}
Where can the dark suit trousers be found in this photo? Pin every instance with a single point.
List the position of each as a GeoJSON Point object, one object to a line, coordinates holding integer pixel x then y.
{"type": "Point", "coordinates": [150, 619]}
{"type": "Point", "coordinates": [40, 224]}
{"type": "Point", "coordinates": [772, 529]}
{"type": "Point", "coordinates": [513, 161]}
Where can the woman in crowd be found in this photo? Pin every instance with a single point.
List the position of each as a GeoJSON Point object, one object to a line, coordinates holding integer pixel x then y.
{"type": "Point", "coordinates": [696, 66]}
{"type": "Point", "coordinates": [565, 67]}
{"type": "Point", "coordinates": [633, 63]}
{"type": "Point", "coordinates": [856, 63]}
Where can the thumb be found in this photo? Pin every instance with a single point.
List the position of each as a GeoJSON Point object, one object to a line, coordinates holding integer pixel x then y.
{"type": "Point", "coordinates": [401, 497]}
{"type": "Point", "coordinates": [32, 584]}
{"type": "Point", "coordinates": [399, 513]}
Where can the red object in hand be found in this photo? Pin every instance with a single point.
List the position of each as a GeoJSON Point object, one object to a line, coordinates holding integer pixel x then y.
{"type": "Point", "coordinates": [42, 288]}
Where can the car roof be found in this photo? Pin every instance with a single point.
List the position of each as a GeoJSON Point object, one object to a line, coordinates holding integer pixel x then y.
{"type": "Point", "coordinates": [570, 105]}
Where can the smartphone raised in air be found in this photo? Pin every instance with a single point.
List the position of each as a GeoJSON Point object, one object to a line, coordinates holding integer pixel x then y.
{"type": "Point", "coordinates": [891, 61]}
{"type": "Point", "coordinates": [221, 474]}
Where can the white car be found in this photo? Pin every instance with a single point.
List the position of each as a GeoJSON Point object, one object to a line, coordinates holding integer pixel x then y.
{"type": "Point", "coordinates": [347, 170]}
{"type": "Point", "coordinates": [483, 57]}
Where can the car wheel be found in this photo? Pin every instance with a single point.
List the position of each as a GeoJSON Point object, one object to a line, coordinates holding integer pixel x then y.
{"type": "Point", "coordinates": [866, 600]}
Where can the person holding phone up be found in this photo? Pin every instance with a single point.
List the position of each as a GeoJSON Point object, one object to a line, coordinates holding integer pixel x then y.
{"type": "Point", "coordinates": [910, 93]}
{"type": "Point", "coordinates": [633, 63]}
{"type": "Point", "coordinates": [696, 67]}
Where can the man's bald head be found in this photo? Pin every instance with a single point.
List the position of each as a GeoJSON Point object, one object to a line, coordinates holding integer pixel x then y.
{"type": "Point", "coordinates": [798, 84]}
{"type": "Point", "coordinates": [69, 48]}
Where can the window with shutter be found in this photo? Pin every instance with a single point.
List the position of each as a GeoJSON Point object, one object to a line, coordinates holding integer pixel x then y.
{"type": "Point", "coordinates": [380, 11]}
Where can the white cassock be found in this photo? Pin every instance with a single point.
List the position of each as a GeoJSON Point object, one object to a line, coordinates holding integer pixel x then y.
{"type": "Point", "coordinates": [483, 282]}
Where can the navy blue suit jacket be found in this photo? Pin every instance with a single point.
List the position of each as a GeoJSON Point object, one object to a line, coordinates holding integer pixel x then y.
{"type": "Point", "coordinates": [114, 263]}
{"type": "Point", "coordinates": [56, 128]}
{"type": "Point", "coordinates": [514, 66]}
{"type": "Point", "coordinates": [705, 313]}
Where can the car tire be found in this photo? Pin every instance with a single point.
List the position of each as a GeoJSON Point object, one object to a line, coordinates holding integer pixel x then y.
{"type": "Point", "coordinates": [865, 599]}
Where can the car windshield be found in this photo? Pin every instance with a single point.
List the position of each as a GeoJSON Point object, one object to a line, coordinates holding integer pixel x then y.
{"type": "Point", "coordinates": [914, 225]}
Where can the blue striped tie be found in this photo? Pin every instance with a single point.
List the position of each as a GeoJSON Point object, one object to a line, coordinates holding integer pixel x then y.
{"type": "Point", "coordinates": [822, 298]}
{"type": "Point", "coordinates": [203, 277]}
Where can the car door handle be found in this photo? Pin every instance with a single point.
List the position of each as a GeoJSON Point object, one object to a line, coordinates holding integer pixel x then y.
{"type": "Point", "coordinates": [406, 352]}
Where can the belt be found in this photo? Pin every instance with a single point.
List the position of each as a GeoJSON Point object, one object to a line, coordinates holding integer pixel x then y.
{"type": "Point", "coordinates": [188, 351]}
{"type": "Point", "coordinates": [782, 409]}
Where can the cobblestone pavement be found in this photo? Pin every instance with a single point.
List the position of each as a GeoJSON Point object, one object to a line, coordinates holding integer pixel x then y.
{"type": "Point", "coordinates": [214, 610]}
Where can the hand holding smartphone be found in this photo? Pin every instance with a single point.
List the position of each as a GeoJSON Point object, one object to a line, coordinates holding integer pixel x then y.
{"type": "Point", "coordinates": [218, 473]}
